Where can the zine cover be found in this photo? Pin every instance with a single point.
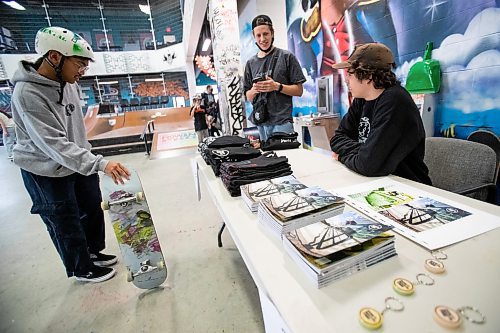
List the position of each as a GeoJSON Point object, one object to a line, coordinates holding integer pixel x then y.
{"type": "Point", "coordinates": [335, 234]}
{"type": "Point", "coordinates": [427, 219]}
{"type": "Point", "coordinates": [266, 188]}
{"type": "Point", "coordinates": [288, 206]}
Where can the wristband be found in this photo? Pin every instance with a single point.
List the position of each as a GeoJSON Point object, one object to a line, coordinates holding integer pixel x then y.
{"type": "Point", "coordinates": [280, 87]}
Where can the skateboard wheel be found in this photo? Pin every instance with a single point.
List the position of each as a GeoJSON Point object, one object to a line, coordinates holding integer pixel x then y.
{"type": "Point", "coordinates": [104, 205]}
{"type": "Point", "coordinates": [130, 277]}
{"type": "Point", "coordinates": [161, 264]}
{"type": "Point", "coordinates": [139, 196]}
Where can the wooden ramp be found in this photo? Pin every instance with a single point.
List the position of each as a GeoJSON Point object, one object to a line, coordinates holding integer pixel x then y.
{"type": "Point", "coordinates": [121, 133]}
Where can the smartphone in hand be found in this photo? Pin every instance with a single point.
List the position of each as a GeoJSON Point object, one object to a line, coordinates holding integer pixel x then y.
{"type": "Point", "coordinates": [259, 79]}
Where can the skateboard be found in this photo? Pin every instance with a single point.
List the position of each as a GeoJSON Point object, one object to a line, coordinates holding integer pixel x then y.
{"type": "Point", "coordinates": [134, 229]}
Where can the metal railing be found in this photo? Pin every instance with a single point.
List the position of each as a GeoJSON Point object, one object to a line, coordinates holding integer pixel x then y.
{"type": "Point", "coordinates": [148, 130]}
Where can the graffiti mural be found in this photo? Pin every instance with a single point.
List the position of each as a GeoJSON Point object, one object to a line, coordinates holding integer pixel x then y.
{"type": "Point", "coordinates": [223, 17]}
{"type": "Point", "coordinates": [465, 36]}
{"type": "Point", "coordinates": [235, 106]}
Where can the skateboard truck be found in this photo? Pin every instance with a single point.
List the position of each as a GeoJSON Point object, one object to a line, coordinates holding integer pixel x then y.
{"type": "Point", "coordinates": [139, 196]}
{"type": "Point", "coordinates": [146, 267]}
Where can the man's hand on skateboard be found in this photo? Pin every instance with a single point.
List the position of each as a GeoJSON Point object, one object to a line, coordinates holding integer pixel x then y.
{"type": "Point", "coordinates": [117, 171]}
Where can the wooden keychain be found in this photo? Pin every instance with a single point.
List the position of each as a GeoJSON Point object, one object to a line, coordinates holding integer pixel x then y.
{"type": "Point", "coordinates": [372, 319]}
{"type": "Point", "coordinates": [451, 318]}
{"type": "Point", "coordinates": [435, 265]}
{"type": "Point", "coordinates": [406, 287]}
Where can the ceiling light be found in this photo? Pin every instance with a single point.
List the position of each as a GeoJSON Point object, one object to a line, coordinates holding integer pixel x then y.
{"type": "Point", "coordinates": [368, 2]}
{"type": "Point", "coordinates": [108, 82]}
{"type": "Point", "coordinates": [145, 9]}
{"type": "Point", "coordinates": [206, 44]}
{"type": "Point", "coordinates": [14, 4]}
{"type": "Point", "coordinates": [154, 80]}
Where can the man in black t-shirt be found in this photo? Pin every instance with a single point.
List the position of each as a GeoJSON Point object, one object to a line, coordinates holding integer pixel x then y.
{"type": "Point", "coordinates": [382, 133]}
{"type": "Point", "coordinates": [279, 75]}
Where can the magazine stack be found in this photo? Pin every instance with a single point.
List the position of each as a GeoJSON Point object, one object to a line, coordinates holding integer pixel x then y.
{"type": "Point", "coordinates": [253, 193]}
{"type": "Point", "coordinates": [338, 247]}
{"type": "Point", "coordinates": [285, 212]}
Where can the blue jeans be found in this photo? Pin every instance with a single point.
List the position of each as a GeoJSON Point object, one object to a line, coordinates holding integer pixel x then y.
{"type": "Point", "coordinates": [265, 131]}
{"type": "Point", "coordinates": [70, 208]}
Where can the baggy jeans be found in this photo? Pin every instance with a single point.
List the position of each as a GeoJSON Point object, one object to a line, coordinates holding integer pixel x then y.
{"type": "Point", "coordinates": [70, 208]}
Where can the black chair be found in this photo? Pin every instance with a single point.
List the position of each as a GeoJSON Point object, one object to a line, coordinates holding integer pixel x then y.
{"type": "Point", "coordinates": [134, 103]}
{"type": "Point", "coordinates": [124, 104]}
{"type": "Point", "coordinates": [144, 102]}
{"type": "Point", "coordinates": [486, 138]}
{"type": "Point", "coordinates": [154, 102]}
{"type": "Point", "coordinates": [164, 101]}
{"type": "Point", "coordinates": [463, 167]}
{"type": "Point", "coordinates": [493, 141]}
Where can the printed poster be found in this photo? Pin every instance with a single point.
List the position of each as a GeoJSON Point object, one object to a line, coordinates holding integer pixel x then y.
{"type": "Point", "coordinates": [429, 220]}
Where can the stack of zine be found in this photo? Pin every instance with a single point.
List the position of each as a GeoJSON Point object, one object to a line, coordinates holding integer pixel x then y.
{"type": "Point", "coordinates": [253, 193]}
{"type": "Point", "coordinates": [221, 142]}
{"type": "Point", "coordinates": [269, 165]}
{"type": "Point", "coordinates": [285, 212]}
{"type": "Point", "coordinates": [336, 248]}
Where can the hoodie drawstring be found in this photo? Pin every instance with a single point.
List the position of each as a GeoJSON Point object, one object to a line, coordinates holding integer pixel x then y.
{"type": "Point", "coordinates": [58, 71]}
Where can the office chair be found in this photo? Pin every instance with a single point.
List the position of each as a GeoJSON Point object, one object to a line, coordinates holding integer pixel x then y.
{"type": "Point", "coordinates": [486, 138]}
{"type": "Point", "coordinates": [491, 140]}
{"type": "Point", "coordinates": [463, 167]}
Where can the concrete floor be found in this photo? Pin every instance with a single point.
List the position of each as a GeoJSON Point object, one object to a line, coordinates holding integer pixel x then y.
{"type": "Point", "coordinates": [208, 289]}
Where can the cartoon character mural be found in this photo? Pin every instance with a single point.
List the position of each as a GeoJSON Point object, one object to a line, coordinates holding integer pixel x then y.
{"type": "Point", "coordinates": [324, 32]}
{"type": "Point", "coordinates": [465, 36]}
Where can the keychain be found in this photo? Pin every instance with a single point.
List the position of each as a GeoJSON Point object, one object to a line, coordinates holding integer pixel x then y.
{"type": "Point", "coordinates": [372, 319]}
{"type": "Point", "coordinates": [450, 318]}
{"type": "Point", "coordinates": [436, 265]}
{"type": "Point", "coordinates": [406, 287]}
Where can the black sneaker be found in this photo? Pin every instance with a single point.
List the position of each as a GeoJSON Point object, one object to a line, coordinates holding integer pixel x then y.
{"type": "Point", "coordinates": [98, 274]}
{"type": "Point", "coordinates": [103, 260]}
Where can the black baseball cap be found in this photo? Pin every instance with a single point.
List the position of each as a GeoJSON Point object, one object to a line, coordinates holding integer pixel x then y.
{"type": "Point", "coordinates": [261, 20]}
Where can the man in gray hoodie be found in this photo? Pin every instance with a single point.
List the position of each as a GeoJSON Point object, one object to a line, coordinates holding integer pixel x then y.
{"type": "Point", "coordinates": [57, 167]}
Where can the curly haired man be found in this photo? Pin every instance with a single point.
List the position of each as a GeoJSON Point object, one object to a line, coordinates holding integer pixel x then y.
{"type": "Point", "coordinates": [382, 133]}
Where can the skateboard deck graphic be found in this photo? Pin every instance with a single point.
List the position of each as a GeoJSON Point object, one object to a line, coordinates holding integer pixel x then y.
{"type": "Point", "coordinates": [134, 229]}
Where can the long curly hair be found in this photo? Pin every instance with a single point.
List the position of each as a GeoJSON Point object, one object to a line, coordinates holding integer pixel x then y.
{"type": "Point", "coordinates": [381, 78]}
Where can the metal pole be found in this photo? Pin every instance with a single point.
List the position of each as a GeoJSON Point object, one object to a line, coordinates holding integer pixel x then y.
{"type": "Point", "coordinates": [47, 17]}
{"type": "Point", "coordinates": [103, 25]}
{"type": "Point", "coordinates": [130, 85]}
{"type": "Point", "coordinates": [164, 86]}
{"type": "Point", "coordinates": [98, 89]}
{"type": "Point", "coordinates": [152, 27]}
